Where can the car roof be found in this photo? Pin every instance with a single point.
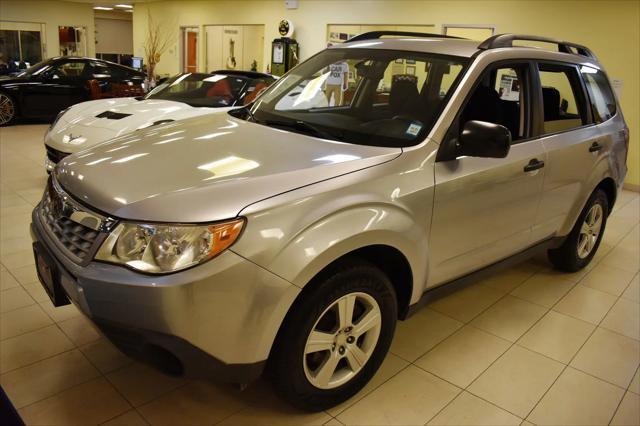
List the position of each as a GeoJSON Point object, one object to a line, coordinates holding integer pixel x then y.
{"type": "Point", "coordinates": [438, 45]}
{"type": "Point", "coordinates": [455, 46]}
{"type": "Point", "coordinates": [86, 58]}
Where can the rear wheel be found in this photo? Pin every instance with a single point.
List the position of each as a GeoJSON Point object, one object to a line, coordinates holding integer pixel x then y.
{"type": "Point", "coordinates": [584, 239]}
{"type": "Point", "coordinates": [335, 338]}
{"type": "Point", "coordinates": [7, 109]}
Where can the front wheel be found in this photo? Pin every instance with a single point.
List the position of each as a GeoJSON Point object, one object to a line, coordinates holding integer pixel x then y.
{"type": "Point", "coordinates": [7, 109]}
{"type": "Point", "coordinates": [335, 338]}
{"type": "Point", "coordinates": [584, 239]}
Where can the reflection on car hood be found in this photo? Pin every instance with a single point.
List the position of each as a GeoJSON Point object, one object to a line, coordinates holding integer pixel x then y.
{"type": "Point", "coordinates": [80, 127]}
{"type": "Point", "coordinates": [205, 168]}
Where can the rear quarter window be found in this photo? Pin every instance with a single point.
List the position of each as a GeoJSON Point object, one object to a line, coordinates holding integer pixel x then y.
{"type": "Point", "coordinates": [603, 103]}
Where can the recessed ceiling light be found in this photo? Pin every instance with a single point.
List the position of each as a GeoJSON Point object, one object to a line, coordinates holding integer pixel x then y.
{"type": "Point", "coordinates": [124, 6]}
{"type": "Point", "coordinates": [102, 8]}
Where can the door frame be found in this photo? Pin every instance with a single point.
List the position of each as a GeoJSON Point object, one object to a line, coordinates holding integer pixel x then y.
{"type": "Point", "coordinates": [184, 29]}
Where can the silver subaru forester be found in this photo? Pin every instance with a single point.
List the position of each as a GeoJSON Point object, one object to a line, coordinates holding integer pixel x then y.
{"type": "Point", "coordinates": [292, 234]}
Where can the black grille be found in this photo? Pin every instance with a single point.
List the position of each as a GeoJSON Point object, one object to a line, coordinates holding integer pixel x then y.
{"type": "Point", "coordinates": [77, 239]}
{"type": "Point", "coordinates": [54, 155]}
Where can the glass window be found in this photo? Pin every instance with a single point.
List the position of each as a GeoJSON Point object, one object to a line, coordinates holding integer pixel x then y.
{"type": "Point", "coordinates": [99, 70]}
{"type": "Point", "coordinates": [499, 98]}
{"type": "Point", "coordinates": [19, 49]}
{"type": "Point", "coordinates": [69, 69]}
{"type": "Point", "coordinates": [365, 96]}
{"type": "Point", "coordinates": [561, 94]}
{"type": "Point", "coordinates": [9, 46]}
{"type": "Point", "coordinates": [31, 47]}
{"type": "Point", "coordinates": [200, 90]}
{"type": "Point", "coordinates": [255, 89]}
{"type": "Point", "coordinates": [603, 102]}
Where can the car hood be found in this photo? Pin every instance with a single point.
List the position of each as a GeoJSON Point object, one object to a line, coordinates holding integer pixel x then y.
{"type": "Point", "coordinates": [92, 122]}
{"type": "Point", "coordinates": [205, 169]}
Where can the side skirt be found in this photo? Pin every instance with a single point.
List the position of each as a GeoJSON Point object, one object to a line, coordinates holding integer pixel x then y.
{"type": "Point", "coordinates": [447, 288]}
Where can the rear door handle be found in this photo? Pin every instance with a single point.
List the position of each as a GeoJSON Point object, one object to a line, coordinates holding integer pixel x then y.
{"type": "Point", "coordinates": [595, 147]}
{"type": "Point", "coordinates": [534, 164]}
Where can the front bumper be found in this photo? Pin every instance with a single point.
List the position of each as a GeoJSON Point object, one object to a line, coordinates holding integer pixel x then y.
{"type": "Point", "coordinates": [216, 320]}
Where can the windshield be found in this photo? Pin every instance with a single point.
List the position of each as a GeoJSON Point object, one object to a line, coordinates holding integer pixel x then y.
{"type": "Point", "coordinates": [36, 69]}
{"type": "Point", "coordinates": [200, 90]}
{"type": "Point", "coordinates": [364, 96]}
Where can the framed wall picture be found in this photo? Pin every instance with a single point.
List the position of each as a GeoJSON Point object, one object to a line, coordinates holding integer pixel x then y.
{"type": "Point", "coordinates": [399, 61]}
{"type": "Point", "coordinates": [411, 61]}
{"type": "Point", "coordinates": [411, 70]}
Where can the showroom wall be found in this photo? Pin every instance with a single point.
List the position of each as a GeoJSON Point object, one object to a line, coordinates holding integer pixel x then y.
{"type": "Point", "coordinates": [610, 28]}
{"type": "Point", "coordinates": [52, 14]}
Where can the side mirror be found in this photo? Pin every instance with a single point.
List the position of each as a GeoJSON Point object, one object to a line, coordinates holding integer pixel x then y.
{"type": "Point", "coordinates": [483, 139]}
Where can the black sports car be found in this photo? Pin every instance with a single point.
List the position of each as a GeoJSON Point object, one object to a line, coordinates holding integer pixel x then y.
{"type": "Point", "coordinates": [48, 87]}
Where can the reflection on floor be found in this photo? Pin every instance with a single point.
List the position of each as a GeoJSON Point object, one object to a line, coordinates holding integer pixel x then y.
{"type": "Point", "coordinates": [529, 343]}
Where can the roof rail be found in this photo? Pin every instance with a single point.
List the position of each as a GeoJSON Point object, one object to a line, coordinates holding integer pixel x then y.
{"type": "Point", "coordinates": [506, 40]}
{"type": "Point", "coordinates": [378, 34]}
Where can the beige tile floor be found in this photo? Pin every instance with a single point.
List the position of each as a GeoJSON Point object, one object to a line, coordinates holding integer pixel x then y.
{"type": "Point", "coordinates": [528, 343]}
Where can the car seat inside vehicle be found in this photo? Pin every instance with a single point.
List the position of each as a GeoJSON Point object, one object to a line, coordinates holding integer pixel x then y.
{"type": "Point", "coordinates": [485, 104]}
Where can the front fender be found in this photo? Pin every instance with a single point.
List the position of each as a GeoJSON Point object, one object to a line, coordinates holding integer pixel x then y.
{"type": "Point", "coordinates": [346, 231]}
{"type": "Point", "coordinates": [330, 237]}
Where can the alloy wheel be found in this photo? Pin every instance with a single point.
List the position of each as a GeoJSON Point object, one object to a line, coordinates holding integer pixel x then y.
{"type": "Point", "coordinates": [7, 109]}
{"type": "Point", "coordinates": [590, 231]}
{"type": "Point", "coordinates": [342, 340]}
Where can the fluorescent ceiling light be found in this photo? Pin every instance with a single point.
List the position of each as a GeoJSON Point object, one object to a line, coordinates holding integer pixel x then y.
{"type": "Point", "coordinates": [124, 6]}
{"type": "Point", "coordinates": [102, 8]}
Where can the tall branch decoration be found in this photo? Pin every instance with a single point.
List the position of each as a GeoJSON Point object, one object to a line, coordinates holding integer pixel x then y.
{"type": "Point", "coordinates": [156, 43]}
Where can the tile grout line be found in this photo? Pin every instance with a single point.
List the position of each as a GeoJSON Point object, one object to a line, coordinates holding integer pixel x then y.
{"type": "Point", "coordinates": [526, 331]}
{"type": "Point", "coordinates": [568, 365]}
{"type": "Point", "coordinates": [465, 389]}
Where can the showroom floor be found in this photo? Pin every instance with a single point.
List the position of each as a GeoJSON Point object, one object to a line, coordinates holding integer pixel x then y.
{"type": "Point", "coordinates": [528, 343]}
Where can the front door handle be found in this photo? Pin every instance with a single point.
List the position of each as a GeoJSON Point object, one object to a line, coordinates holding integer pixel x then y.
{"type": "Point", "coordinates": [534, 164]}
{"type": "Point", "coordinates": [595, 147]}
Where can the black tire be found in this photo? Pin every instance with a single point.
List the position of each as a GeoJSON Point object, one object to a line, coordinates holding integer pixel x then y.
{"type": "Point", "coordinates": [8, 109]}
{"type": "Point", "coordinates": [566, 257]}
{"type": "Point", "coordinates": [287, 361]}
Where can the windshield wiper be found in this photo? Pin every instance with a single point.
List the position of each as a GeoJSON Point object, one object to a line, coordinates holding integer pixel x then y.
{"type": "Point", "coordinates": [302, 126]}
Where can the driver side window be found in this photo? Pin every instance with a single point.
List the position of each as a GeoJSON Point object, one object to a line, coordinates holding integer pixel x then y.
{"type": "Point", "coordinates": [500, 97]}
{"type": "Point", "coordinates": [73, 69]}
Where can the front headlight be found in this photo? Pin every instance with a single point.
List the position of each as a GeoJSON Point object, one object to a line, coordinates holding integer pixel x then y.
{"type": "Point", "coordinates": [160, 248]}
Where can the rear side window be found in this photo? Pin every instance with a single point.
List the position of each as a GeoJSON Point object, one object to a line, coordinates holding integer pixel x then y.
{"type": "Point", "coordinates": [562, 98]}
{"type": "Point", "coordinates": [603, 103]}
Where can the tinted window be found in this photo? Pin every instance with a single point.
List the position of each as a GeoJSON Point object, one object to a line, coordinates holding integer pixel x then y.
{"type": "Point", "coordinates": [499, 98]}
{"type": "Point", "coordinates": [99, 70]}
{"type": "Point", "coordinates": [561, 98]}
{"type": "Point", "coordinates": [603, 103]}
{"type": "Point", "coordinates": [200, 90]}
{"type": "Point", "coordinates": [70, 69]}
{"type": "Point", "coordinates": [255, 88]}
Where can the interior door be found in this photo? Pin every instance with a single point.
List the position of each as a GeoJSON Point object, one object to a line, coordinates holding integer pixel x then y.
{"type": "Point", "coordinates": [190, 50]}
{"type": "Point", "coordinates": [484, 208]}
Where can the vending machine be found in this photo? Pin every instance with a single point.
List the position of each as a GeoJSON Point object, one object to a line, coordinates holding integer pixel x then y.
{"type": "Point", "coordinates": [284, 50]}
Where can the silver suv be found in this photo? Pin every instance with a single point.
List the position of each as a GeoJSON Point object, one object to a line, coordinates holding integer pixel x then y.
{"type": "Point", "coordinates": [292, 234]}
